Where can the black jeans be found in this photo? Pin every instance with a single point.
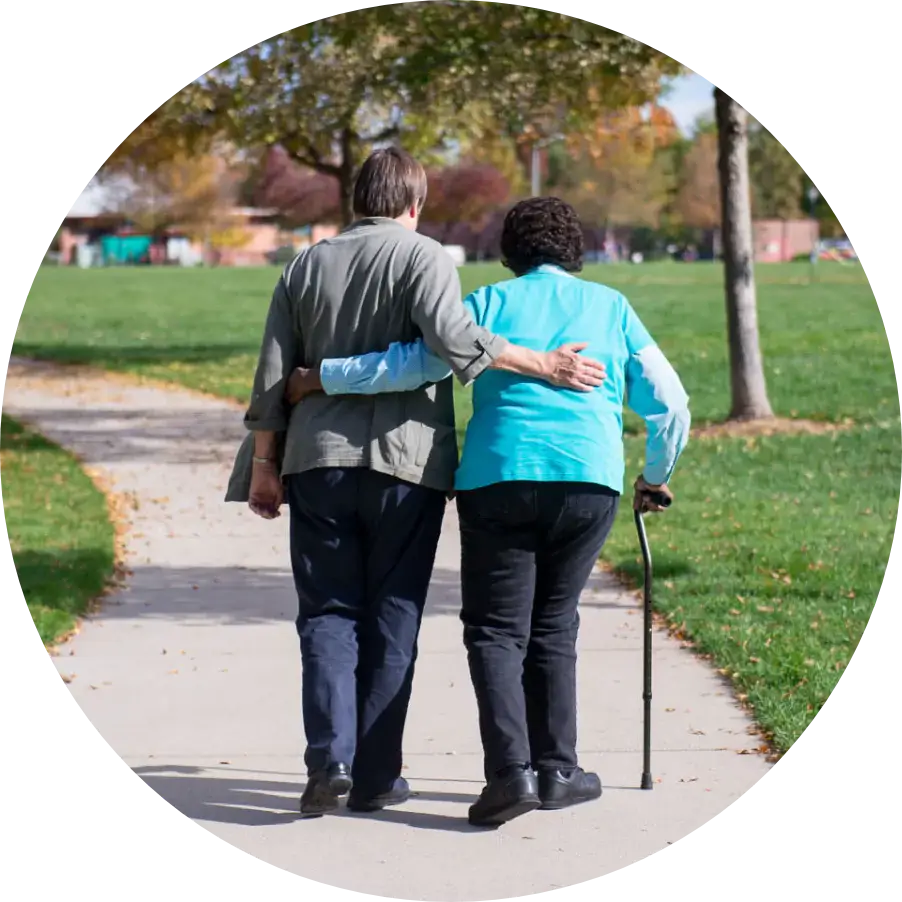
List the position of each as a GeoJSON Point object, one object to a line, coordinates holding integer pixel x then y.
{"type": "Point", "coordinates": [362, 549]}
{"type": "Point", "coordinates": [528, 549]}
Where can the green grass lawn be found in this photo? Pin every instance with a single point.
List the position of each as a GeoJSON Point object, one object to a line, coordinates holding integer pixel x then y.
{"type": "Point", "coordinates": [773, 555]}
{"type": "Point", "coordinates": [61, 536]}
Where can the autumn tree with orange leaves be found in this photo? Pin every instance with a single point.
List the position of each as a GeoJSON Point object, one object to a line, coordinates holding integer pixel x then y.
{"type": "Point", "coordinates": [697, 202]}
{"type": "Point", "coordinates": [615, 173]}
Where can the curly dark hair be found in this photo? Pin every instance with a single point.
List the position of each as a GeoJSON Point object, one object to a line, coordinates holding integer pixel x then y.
{"type": "Point", "coordinates": [542, 230]}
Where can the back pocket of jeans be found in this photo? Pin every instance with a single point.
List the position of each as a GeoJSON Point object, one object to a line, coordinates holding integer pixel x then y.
{"type": "Point", "coordinates": [590, 505]}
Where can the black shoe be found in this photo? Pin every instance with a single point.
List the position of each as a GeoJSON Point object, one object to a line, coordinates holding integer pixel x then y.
{"type": "Point", "coordinates": [514, 791]}
{"type": "Point", "coordinates": [323, 790]}
{"type": "Point", "coordinates": [397, 794]}
{"type": "Point", "coordinates": [561, 789]}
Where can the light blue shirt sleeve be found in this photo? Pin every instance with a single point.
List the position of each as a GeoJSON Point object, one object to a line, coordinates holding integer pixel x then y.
{"type": "Point", "coordinates": [655, 393]}
{"type": "Point", "coordinates": [403, 367]}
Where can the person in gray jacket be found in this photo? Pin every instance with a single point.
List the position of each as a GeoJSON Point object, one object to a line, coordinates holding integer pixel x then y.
{"type": "Point", "coordinates": [366, 478]}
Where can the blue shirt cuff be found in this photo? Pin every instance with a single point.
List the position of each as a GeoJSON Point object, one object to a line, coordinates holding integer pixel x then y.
{"type": "Point", "coordinates": [333, 377]}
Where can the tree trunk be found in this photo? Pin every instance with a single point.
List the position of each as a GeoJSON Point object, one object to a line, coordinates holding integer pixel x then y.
{"type": "Point", "coordinates": [748, 387]}
{"type": "Point", "coordinates": [347, 175]}
{"type": "Point", "coordinates": [346, 188]}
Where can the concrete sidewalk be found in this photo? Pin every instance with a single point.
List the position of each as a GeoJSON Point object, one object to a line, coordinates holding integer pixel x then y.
{"type": "Point", "coordinates": [191, 673]}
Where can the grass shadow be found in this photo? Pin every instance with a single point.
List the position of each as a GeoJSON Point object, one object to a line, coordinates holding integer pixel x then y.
{"type": "Point", "coordinates": [664, 567]}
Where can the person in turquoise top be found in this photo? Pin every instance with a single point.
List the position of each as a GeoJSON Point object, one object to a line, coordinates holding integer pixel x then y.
{"type": "Point", "coordinates": [537, 488]}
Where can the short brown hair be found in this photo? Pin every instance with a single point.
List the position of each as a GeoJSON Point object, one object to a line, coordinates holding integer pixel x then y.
{"type": "Point", "coordinates": [391, 181]}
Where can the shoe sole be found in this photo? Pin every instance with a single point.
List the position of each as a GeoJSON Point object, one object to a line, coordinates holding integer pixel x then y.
{"type": "Point", "coordinates": [377, 804]}
{"type": "Point", "coordinates": [497, 818]}
{"type": "Point", "coordinates": [326, 797]}
{"type": "Point", "coordinates": [553, 805]}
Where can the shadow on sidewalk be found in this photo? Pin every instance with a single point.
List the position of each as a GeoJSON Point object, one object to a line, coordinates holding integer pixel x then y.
{"type": "Point", "coordinates": [225, 800]}
{"type": "Point", "coordinates": [232, 595]}
{"type": "Point", "coordinates": [253, 802]}
{"type": "Point", "coordinates": [202, 795]}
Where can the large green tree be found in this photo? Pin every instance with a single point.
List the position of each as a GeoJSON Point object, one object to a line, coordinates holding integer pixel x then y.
{"type": "Point", "coordinates": [776, 178]}
{"type": "Point", "coordinates": [415, 74]}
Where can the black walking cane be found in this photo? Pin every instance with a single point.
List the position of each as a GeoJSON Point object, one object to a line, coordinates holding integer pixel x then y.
{"type": "Point", "coordinates": [661, 500]}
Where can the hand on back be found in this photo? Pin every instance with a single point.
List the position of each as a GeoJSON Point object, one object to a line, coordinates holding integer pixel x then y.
{"type": "Point", "coordinates": [567, 368]}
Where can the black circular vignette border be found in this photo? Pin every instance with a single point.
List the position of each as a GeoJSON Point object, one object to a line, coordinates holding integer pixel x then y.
{"type": "Point", "coordinates": [824, 80]}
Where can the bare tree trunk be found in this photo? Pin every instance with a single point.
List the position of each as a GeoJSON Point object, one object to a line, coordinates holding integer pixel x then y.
{"type": "Point", "coordinates": [748, 386]}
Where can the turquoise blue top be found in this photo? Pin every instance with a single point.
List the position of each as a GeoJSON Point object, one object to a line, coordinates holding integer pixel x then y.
{"type": "Point", "coordinates": [525, 429]}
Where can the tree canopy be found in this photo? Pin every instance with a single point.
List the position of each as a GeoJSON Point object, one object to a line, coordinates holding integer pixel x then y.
{"type": "Point", "coordinates": [417, 74]}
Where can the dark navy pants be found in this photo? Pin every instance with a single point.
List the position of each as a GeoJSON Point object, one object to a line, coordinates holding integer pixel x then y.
{"type": "Point", "coordinates": [362, 550]}
{"type": "Point", "coordinates": [528, 549]}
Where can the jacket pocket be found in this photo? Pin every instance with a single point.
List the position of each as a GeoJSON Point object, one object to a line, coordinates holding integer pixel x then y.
{"type": "Point", "coordinates": [435, 446]}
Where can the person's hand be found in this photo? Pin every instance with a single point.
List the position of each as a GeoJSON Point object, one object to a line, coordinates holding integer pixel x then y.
{"type": "Point", "coordinates": [642, 500]}
{"type": "Point", "coordinates": [302, 382]}
{"type": "Point", "coordinates": [266, 492]}
{"type": "Point", "coordinates": [567, 369]}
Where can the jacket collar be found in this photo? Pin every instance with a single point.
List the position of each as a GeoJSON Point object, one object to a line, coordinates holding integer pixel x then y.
{"type": "Point", "coordinates": [551, 269]}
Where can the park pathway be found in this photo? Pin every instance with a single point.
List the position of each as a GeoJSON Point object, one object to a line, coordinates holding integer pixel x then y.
{"type": "Point", "coordinates": [191, 673]}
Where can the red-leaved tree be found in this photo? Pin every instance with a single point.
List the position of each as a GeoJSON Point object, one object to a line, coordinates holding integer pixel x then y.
{"type": "Point", "coordinates": [467, 194]}
{"type": "Point", "coordinates": [302, 196]}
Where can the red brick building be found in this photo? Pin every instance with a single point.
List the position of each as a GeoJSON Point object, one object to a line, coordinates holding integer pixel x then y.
{"type": "Point", "coordinates": [779, 241]}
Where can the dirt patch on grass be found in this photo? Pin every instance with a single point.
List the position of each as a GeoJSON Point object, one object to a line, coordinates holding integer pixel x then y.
{"type": "Point", "coordinates": [769, 427]}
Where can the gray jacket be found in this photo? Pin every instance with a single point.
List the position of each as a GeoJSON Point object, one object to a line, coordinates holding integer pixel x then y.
{"type": "Point", "coordinates": [375, 283]}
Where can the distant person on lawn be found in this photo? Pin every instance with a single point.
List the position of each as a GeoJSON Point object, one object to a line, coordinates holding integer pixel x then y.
{"type": "Point", "coordinates": [367, 478]}
{"type": "Point", "coordinates": [537, 491]}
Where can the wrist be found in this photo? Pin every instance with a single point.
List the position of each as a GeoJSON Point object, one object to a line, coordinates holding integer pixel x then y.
{"type": "Point", "coordinates": [544, 364]}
